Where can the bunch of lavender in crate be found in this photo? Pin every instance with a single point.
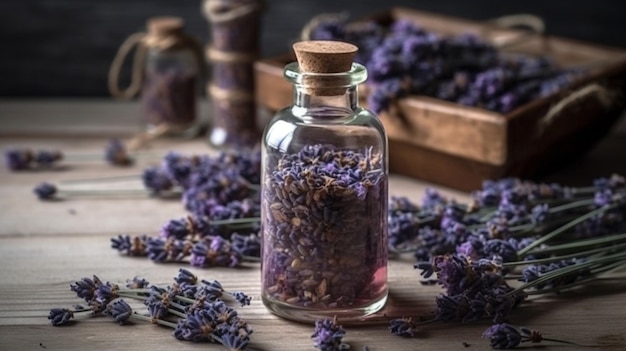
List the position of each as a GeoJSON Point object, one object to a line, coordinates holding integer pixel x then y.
{"type": "Point", "coordinates": [513, 240]}
{"type": "Point", "coordinates": [196, 309]}
{"type": "Point", "coordinates": [404, 59]}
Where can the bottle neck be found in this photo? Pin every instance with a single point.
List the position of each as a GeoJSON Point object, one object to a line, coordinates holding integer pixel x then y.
{"type": "Point", "coordinates": [305, 100]}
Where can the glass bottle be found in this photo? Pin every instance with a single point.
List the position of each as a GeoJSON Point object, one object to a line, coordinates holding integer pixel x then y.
{"type": "Point", "coordinates": [170, 77]}
{"type": "Point", "coordinates": [324, 193]}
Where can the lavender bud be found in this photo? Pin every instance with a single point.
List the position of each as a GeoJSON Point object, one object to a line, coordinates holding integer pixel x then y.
{"type": "Point", "coordinates": [402, 327]}
{"type": "Point", "coordinates": [503, 336]}
{"type": "Point", "coordinates": [17, 159]}
{"type": "Point", "coordinates": [45, 191]}
{"type": "Point", "coordinates": [115, 153]}
{"type": "Point", "coordinates": [328, 336]}
{"type": "Point", "coordinates": [47, 158]}
{"type": "Point", "coordinates": [60, 316]}
{"type": "Point", "coordinates": [120, 310]}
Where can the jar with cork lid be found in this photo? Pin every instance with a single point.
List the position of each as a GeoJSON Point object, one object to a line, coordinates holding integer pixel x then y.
{"type": "Point", "coordinates": [167, 69]}
{"type": "Point", "coordinates": [324, 193]}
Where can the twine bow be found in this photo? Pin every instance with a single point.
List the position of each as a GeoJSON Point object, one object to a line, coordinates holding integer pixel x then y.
{"type": "Point", "coordinates": [144, 41]}
{"type": "Point", "coordinates": [604, 96]}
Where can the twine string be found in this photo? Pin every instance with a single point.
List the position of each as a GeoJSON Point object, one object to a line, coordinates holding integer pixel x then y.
{"type": "Point", "coordinates": [137, 69]}
{"type": "Point", "coordinates": [605, 97]}
{"type": "Point", "coordinates": [233, 95]}
{"type": "Point", "coordinates": [216, 12]}
{"type": "Point", "coordinates": [143, 42]}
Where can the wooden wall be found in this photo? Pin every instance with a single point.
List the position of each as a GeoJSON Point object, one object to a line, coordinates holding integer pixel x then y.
{"type": "Point", "coordinates": [64, 47]}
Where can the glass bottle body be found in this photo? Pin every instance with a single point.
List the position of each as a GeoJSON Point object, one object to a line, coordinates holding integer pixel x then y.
{"type": "Point", "coordinates": [170, 88]}
{"type": "Point", "coordinates": [324, 206]}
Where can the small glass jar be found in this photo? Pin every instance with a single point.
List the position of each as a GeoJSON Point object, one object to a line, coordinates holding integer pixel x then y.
{"type": "Point", "coordinates": [171, 76]}
{"type": "Point", "coordinates": [324, 196]}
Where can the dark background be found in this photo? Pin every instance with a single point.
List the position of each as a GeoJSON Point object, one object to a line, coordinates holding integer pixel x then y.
{"type": "Point", "coordinates": [64, 47]}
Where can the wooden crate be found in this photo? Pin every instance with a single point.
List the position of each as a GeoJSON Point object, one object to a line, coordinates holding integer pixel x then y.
{"type": "Point", "coordinates": [459, 146]}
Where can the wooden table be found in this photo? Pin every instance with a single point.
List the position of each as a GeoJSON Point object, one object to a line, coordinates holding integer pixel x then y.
{"type": "Point", "coordinates": [45, 246]}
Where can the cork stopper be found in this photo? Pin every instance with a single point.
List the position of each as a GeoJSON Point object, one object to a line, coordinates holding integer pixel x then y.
{"type": "Point", "coordinates": [166, 25]}
{"type": "Point", "coordinates": [323, 56]}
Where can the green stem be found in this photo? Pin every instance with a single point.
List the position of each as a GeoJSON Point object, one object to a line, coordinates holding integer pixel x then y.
{"type": "Point", "coordinates": [184, 299]}
{"type": "Point", "coordinates": [553, 234]}
{"type": "Point", "coordinates": [102, 179]}
{"type": "Point", "coordinates": [153, 320]}
{"type": "Point", "coordinates": [567, 342]}
{"type": "Point", "coordinates": [593, 276]}
{"type": "Point", "coordinates": [235, 221]}
{"type": "Point", "coordinates": [564, 257]}
{"type": "Point", "coordinates": [569, 269]}
{"type": "Point", "coordinates": [124, 293]}
{"type": "Point", "coordinates": [177, 313]}
{"type": "Point", "coordinates": [572, 205]}
{"type": "Point", "coordinates": [582, 243]}
{"type": "Point", "coordinates": [103, 192]}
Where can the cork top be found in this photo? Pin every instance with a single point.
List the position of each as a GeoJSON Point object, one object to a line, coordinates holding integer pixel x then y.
{"type": "Point", "coordinates": [166, 25]}
{"type": "Point", "coordinates": [324, 56]}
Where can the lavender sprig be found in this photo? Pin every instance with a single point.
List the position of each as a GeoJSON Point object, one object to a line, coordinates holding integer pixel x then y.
{"type": "Point", "coordinates": [18, 159]}
{"type": "Point", "coordinates": [194, 310]}
{"type": "Point", "coordinates": [328, 336]}
{"type": "Point", "coordinates": [550, 237]}
{"type": "Point", "coordinates": [47, 191]}
{"type": "Point", "coordinates": [507, 336]}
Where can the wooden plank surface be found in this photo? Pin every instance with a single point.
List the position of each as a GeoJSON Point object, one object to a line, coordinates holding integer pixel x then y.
{"type": "Point", "coordinates": [45, 246]}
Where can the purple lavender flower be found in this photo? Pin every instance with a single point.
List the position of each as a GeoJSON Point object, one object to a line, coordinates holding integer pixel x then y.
{"type": "Point", "coordinates": [176, 228]}
{"type": "Point", "coordinates": [212, 319]}
{"type": "Point", "coordinates": [17, 159]}
{"type": "Point", "coordinates": [212, 252]}
{"type": "Point", "coordinates": [328, 336]}
{"type": "Point", "coordinates": [120, 311]}
{"type": "Point", "coordinates": [506, 249]}
{"type": "Point", "coordinates": [179, 168]}
{"type": "Point", "coordinates": [170, 250]}
{"type": "Point", "coordinates": [242, 298]}
{"type": "Point", "coordinates": [158, 302]}
{"type": "Point", "coordinates": [130, 246]}
{"type": "Point", "coordinates": [46, 158]}
{"type": "Point", "coordinates": [402, 327]}
{"type": "Point", "coordinates": [60, 316]}
{"type": "Point", "coordinates": [185, 277]}
{"type": "Point", "coordinates": [221, 189]}
{"type": "Point", "coordinates": [534, 271]}
{"type": "Point", "coordinates": [246, 245]}
{"type": "Point", "coordinates": [85, 288]}
{"type": "Point", "coordinates": [137, 283]}
{"type": "Point", "coordinates": [155, 180]}
{"type": "Point", "coordinates": [106, 292]}
{"type": "Point", "coordinates": [234, 340]}
{"type": "Point", "coordinates": [503, 336]}
{"type": "Point", "coordinates": [472, 248]}
{"type": "Point", "coordinates": [452, 273]}
{"type": "Point", "coordinates": [198, 326]}
{"type": "Point", "coordinates": [403, 227]}
{"type": "Point", "coordinates": [45, 191]}
{"type": "Point", "coordinates": [540, 213]}
{"type": "Point", "coordinates": [116, 154]}
{"type": "Point", "coordinates": [450, 308]}
{"type": "Point", "coordinates": [210, 290]}
{"type": "Point", "coordinates": [603, 197]}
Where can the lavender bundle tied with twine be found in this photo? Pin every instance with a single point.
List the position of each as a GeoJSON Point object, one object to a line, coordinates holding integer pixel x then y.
{"type": "Point", "coordinates": [233, 49]}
